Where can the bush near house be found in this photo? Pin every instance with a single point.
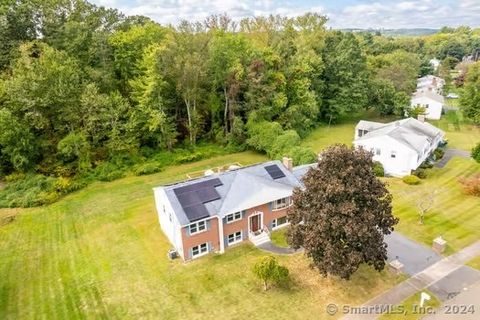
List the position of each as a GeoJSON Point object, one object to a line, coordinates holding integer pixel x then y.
{"type": "Point", "coordinates": [476, 152]}
{"type": "Point", "coordinates": [439, 153]}
{"type": "Point", "coordinates": [421, 173]}
{"type": "Point", "coordinates": [471, 186]}
{"type": "Point", "coordinates": [378, 169]}
{"type": "Point", "coordinates": [411, 180]}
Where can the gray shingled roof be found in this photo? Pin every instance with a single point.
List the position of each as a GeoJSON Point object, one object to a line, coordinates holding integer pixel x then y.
{"type": "Point", "coordinates": [410, 132]}
{"type": "Point", "coordinates": [242, 189]}
{"type": "Point", "coordinates": [428, 94]}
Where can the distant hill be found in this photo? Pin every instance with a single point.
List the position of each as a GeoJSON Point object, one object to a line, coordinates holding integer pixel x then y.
{"type": "Point", "coordinates": [398, 32]}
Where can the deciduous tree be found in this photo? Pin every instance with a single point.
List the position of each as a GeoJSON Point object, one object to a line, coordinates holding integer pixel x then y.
{"type": "Point", "coordinates": [342, 214]}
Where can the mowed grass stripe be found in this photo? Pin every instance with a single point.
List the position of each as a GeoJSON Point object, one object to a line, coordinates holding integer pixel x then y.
{"type": "Point", "coordinates": [455, 215]}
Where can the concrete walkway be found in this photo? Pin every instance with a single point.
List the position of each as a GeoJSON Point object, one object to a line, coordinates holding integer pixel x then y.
{"type": "Point", "coordinates": [420, 281]}
{"type": "Point", "coordinates": [449, 154]}
{"type": "Point", "coordinates": [270, 247]}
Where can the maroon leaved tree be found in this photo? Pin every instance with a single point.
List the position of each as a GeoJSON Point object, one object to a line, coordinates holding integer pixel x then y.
{"type": "Point", "coordinates": [341, 216]}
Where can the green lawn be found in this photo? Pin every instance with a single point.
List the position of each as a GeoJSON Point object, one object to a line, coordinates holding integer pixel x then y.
{"type": "Point", "coordinates": [278, 238]}
{"type": "Point", "coordinates": [410, 308]}
{"type": "Point", "coordinates": [461, 134]}
{"type": "Point", "coordinates": [99, 253]}
{"type": "Point", "coordinates": [342, 132]}
{"type": "Point", "coordinates": [454, 215]}
{"type": "Point", "coordinates": [475, 263]}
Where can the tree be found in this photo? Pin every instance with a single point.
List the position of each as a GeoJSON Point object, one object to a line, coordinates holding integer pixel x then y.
{"type": "Point", "coordinates": [75, 148]}
{"type": "Point", "coordinates": [416, 111]}
{"type": "Point", "coordinates": [470, 99]}
{"type": "Point", "coordinates": [341, 216]}
{"type": "Point", "coordinates": [345, 76]}
{"type": "Point", "coordinates": [268, 270]}
{"type": "Point", "coordinates": [423, 199]}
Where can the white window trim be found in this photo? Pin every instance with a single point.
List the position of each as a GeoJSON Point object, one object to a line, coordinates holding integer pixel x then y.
{"type": "Point", "coordinates": [200, 254]}
{"type": "Point", "coordinates": [283, 207]}
{"type": "Point", "coordinates": [233, 215]}
{"type": "Point", "coordinates": [198, 229]}
{"type": "Point", "coordinates": [281, 225]}
{"type": "Point", "coordinates": [234, 238]}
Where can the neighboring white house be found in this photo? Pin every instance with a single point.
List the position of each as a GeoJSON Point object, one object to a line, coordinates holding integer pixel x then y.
{"type": "Point", "coordinates": [401, 146]}
{"type": "Point", "coordinates": [435, 63]}
{"type": "Point", "coordinates": [431, 101]}
{"type": "Point", "coordinates": [430, 82]}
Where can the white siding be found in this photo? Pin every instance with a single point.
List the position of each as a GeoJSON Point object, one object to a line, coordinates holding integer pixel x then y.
{"type": "Point", "coordinates": [434, 109]}
{"type": "Point", "coordinates": [168, 221]}
{"type": "Point", "coordinates": [405, 159]}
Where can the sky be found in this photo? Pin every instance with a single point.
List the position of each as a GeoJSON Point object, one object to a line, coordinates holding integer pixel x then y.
{"type": "Point", "coordinates": [387, 14]}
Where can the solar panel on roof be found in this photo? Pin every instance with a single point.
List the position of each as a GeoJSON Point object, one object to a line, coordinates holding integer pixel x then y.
{"type": "Point", "coordinates": [189, 198]}
{"type": "Point", "coordinates": [193, 197]}
{"type": "Point", "coordinates": [274, 171]}
{"type": "Point", "coordinates": [196, 212]}
{"type": "Point", "coordinates": [208, 194]}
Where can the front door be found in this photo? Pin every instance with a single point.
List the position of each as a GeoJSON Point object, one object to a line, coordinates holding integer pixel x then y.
{"type": "Point", "coordinates": [255, 223]}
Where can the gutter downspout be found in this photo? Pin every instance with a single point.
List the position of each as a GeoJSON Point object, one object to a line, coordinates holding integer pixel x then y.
{"type": "Point", "coordinates": [220, 234]}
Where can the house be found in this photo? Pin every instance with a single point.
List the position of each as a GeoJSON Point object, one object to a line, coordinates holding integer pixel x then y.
{"type": "Point", "coordinates": [435, 63]}
{"type": "Point", "coordinates": [400, 146]}
{"type": "Point", "coordinates": [215, 212]}
{"type": "Point", "coordinates": [431, 101]}
{"type": "Point", "coordinates": [430, 82]}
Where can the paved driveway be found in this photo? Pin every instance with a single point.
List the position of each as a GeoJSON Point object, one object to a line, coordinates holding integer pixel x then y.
{"type": "Point", "coordinates": [449, 154]}
{"type": "Point", "coordinates": [414, 256]}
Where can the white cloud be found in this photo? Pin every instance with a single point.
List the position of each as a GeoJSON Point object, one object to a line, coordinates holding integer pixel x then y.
{"type": "Point", "coordinates": [379, 14]}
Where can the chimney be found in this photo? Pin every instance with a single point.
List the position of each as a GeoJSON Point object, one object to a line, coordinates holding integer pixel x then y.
{"type": "Point", "coordinates": [288, 163]}
{"type": "Point", "coordinates": [421, 118]}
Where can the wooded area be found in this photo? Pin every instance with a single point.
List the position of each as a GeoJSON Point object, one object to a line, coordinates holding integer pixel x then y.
{"type": "Point", "coordinates": [86, 92]}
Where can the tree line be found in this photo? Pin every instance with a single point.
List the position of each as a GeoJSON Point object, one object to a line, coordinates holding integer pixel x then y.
{"type": "Point", "coordinates": [82, 84]}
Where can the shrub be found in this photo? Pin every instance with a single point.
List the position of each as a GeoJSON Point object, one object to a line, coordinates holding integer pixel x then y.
{"type": "Point", "coordinates": [16, 176]}
{"type": "Point", "coordinates": [378, 169]}
{"type": "Point", "coordinates": [302, 155]}
{"type": "Point", "coordinates": [282, 143]}
{"type": "Point", "coordinates": [471, 186]}
{"type": "Point", "coordinates": [439, 153]}
{"type": "Point", "coordinates": [426, 165]}
{"type": "Point", "coordinates": [108, 172]}
{"type": "Point", "coordinates": [147, 168]}
{"type": "Point", "coordinates": [476, 153]}
{"type": "Point", "coordinates": [421, 173]}
{"type": "Point", "coordinates": [411, 180]}
{"type": "Point", "coordinates": [268, 270]}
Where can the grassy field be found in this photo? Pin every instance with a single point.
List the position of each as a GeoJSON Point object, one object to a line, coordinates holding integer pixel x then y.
{"type": "Point", "coordinates": [454, 215]}
{"type": "Point", "coordinates": [278, 238]}
{"type": "Point", "coordinates": [99, 253]}
{"type": "Point", "coordinates": [411, 308]}
{"type": "Point", "coordinates": [342, 132]}
{"type": "Point", "coordinates": [460, 133]}
{"type": "Point", "coordinates": [475, 263]}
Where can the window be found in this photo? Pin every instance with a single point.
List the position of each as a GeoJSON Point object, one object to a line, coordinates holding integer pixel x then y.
{"type": "Point", "coordinates": [393, 154]}
{"type": "Point", "coordinates": [197, 227]}
{"type": "Point", "coordinates": [233, 217]}
{"type": "Point", "coordinates": [281, 203]}
{"type": "Point", "coordinates": [361, 133]}
{"type": "Point", "coordinates": [235, 237]}
{"type": "Point", "coordinates": [378, 152]}
{"type": "Point", "coordinates": [199, 250]}
{"type": "Point", "coordinates": [279, 222]}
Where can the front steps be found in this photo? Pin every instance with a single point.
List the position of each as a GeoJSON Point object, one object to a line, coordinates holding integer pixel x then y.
{"type": "Point", "coordinates": [259, 239]}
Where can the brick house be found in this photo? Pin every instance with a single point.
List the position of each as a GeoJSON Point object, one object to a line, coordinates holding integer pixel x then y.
{"type": "Point", "coordinates": [213, 213]}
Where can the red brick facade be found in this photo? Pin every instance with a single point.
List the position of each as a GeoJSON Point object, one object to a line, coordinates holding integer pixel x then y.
{"type": "Point", "coordinates": [211, 237]}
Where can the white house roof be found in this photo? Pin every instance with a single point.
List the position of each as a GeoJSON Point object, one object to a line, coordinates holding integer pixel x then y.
{"type": "Point", "coordinates": [428, 94]}
{"type": "Point", "coordinates": [237, 190]}
{"type": "Point", "coordinates": [410, 132]}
